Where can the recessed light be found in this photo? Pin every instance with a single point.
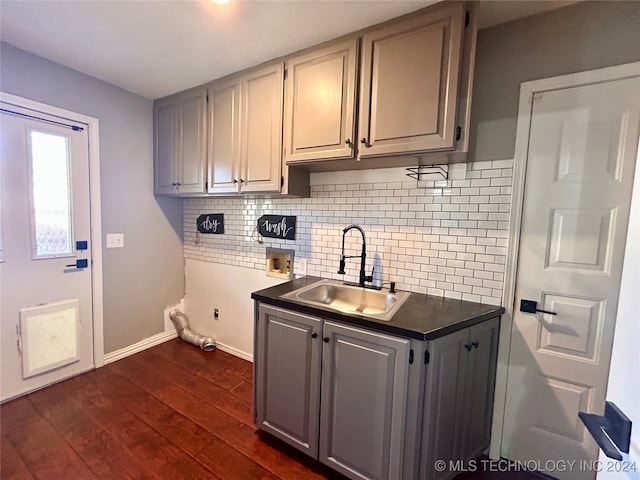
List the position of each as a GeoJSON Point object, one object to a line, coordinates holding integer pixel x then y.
{"type": "Point", "coordinates": [220, 2]}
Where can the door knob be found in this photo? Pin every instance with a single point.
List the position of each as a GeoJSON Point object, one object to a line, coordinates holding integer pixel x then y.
{"type": "Point", "coordinates": [531, 306]}
{"type": "Point", "coordinates": [80, 263]}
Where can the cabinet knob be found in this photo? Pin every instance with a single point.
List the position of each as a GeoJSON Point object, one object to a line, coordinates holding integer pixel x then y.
{"type": "Point", "coordinates": [241, 180]}
{"type": "Point", "coordinates": [363, 141]}
{"type": "Point", "coordinates": [173, 184]}
{"type": "Point", "coordinates": [235, 180]}
{"type": "Point", "coordinates": [325, 339]}
{"type": "Point", "coordinates": [474, 344]}
{"type": "Point", "coordinates": [314, 335]}
{"type": "Point", "coordinates": [178, 184]}
{"type": "Point", "coordinates": [468, 347]}
{"type": "Point", "coordinates": [348, 142]}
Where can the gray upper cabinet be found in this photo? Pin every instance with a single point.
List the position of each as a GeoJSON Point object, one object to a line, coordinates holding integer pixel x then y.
{"type": "Point", "coordinates": [320, 93]}
{"type": "Point", "coordinates": [288, 379]}
{"type": "Point", "coordinates": [180, 143]}
{"type": "Point", "coordinates": [262, 94]}
{"type": "Point", "coordinates": [409, 84]}
{"type": "Point", "coordinates": [364, 393]}
{"type": "Point", "coordinates": [224, 136]}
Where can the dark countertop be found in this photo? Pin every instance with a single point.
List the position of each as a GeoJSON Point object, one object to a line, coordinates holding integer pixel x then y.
{"type": "Point", "coordinates": [423, 317]}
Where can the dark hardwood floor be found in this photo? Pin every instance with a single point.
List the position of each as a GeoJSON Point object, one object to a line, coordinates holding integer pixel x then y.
{"type": "Point", "coordinates": [170, 412]}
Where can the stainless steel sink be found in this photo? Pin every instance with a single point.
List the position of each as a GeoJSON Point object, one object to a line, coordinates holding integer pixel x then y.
{"type": "Point", "coordinates": [350, 299]}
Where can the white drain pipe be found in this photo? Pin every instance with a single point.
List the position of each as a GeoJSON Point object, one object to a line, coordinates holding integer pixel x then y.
{"type": "Point", "coordinates": [182, 327]}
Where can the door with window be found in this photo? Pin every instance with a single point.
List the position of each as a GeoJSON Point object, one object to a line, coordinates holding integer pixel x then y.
{"type": "Point", "coordinates": [46, 328]}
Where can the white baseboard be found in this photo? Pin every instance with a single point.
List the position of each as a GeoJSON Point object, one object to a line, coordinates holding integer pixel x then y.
{"type": "Point", "coordinates": [148, 342]}
{"type": "Point", "coordinates": [161, 338]}
{"type": "Point", "coordinates": [235, 352]}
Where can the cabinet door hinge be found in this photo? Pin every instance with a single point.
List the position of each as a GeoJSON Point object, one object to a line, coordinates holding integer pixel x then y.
{"type": "Point", "coordinates": [458, 133]}
{"type": "Point", "coordinates": [207, 98]}
{"type": "Point", "coordinates": [411, 356]}
{"type": "Point", "coordinates": [206, 185]}
{"type": "Point", "coordinates": [466, 19]}
{"type": "Point", "coordinates": [285, 73]}
{"type": "Point", "coordinates": [427, 357]}
{"type": "Point", "coordinates": [281, 182]}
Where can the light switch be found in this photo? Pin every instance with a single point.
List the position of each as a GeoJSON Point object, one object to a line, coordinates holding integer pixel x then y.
{"type": "Point", "coordinates": [115, 240]}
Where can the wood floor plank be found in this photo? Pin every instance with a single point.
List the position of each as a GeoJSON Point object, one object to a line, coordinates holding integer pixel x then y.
{"type": "Point", "coordinates": [211, 366]}
{"type": "Point", "coordinates": [227, 401]}
{"type": "Point", "coordinates": [239, 435]}
{"type": "Point", "coordinates": [12, 467]}
{"type": "Point", "coordinates": [149, 446]}
{"type": "Point", "coordinates": [181, 400]}
{"type": "Point", "coordinates": [44, 452]}
{"type": "Point", "coordinates": [211, 451]}
{"type": "Point", "coordinates": [104, 454]}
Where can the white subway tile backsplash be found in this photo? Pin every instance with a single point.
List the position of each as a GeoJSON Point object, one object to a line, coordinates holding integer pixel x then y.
{"type": "Point", "coordinates": [443, 237]}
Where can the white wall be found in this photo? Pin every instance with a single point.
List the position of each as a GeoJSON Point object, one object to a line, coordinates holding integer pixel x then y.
{"type": "Point", "coordinates": [227, 288]}
{"type": "Point", "coordinates": [438, 237]}
{"type": "Point", "coordinates": [624, 379]}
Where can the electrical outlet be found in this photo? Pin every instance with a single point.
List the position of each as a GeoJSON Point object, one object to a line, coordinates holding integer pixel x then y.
{"type": "Point", "coordinates": [216, 314]}
{"type": "Point", "coordinates": [115, 240]}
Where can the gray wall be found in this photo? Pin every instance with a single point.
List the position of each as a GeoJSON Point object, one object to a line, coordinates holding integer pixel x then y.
{"type": "Point", "coordinates": [148, 273]}
{"type": "Point", "coordinates": [580, 37]}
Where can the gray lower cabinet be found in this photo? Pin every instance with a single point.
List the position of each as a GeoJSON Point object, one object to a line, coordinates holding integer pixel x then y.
{"type": "Point", "coordinates": [458, 398]}
{"type": "Point", "coordinates": [370, 405]}
{"type": "Point", "coordinates": [336, 392]}
{"type": "Point", "coordinates": [364, 394]}
{"type": "Point", "coordinates": [288, 350]}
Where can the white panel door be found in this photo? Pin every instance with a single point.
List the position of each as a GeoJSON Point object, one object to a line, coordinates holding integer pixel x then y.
{"type": "Point", "coordinates": [583, 144]}
{"type": "Point", "coordinates": [46, 295]}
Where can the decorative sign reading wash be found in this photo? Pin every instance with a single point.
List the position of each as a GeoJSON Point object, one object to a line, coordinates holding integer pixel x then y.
{"type": "Point", "coordinates": [277, 226]}
{"type": "Point", "coordinates": [211, 223]}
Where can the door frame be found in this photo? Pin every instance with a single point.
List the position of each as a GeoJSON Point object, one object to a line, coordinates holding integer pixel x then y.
{"type": "Point", "coordinates": [92, 125]}
{"type": "Point", "coordinates": [525, 108]}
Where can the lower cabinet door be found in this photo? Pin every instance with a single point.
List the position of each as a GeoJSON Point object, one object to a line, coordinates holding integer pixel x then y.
{"type": "Point", "coordinates": [288, 383]}
{"type": "Point", "coordinates": [364, 389]}
{"type": "Point", "coordinates": [479, 388]}
{"type": "Point", "coordinates": [443, 405]}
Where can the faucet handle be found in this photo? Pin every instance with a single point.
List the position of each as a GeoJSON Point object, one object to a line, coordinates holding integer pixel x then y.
{"type": "Point", "coordinates": [369, 278]}
{"type": "Point", "coordinates": [341, 269]}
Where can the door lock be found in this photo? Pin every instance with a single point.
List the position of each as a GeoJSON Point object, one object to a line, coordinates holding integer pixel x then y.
{"type": "Point", "coordinates": [531, 306]}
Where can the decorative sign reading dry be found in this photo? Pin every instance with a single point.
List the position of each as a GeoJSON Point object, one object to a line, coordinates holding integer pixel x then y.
{"type": "Point", "coordinates": [211, 223]}
{"type": "Point", "coordinates": [277, 226]}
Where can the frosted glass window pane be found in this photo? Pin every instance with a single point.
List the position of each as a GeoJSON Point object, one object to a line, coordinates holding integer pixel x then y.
{"type": "Point", "coordinates": [50, 175]}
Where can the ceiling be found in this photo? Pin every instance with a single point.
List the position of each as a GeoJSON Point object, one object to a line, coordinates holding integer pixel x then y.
{"type": "Point", "coordinates": [155, 48]}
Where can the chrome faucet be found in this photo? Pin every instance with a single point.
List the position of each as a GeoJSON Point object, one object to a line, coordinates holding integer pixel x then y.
{"type": "Point", "coordinates": [363, 277]}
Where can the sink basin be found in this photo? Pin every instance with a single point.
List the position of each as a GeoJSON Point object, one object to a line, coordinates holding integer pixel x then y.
{"type": "Point", "coordinates": [333, 294]}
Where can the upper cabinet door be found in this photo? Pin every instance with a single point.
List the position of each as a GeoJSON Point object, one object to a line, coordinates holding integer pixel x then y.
{"type": "Point", "coordinates": [262, 99]}
{"type": "Point", "coordinates": [166, 144]}
{"type": "Point", "coordinates": [224, 136]}
{"type": "Point", "coordinates": [193, 143]}
{"type": "Point", "coordinates": [409, 84]}
{"type": "Point", "coordinates": [319, 103]}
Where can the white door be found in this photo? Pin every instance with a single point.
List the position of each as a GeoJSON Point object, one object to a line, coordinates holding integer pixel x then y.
{"type": "Point", "coordinates": [45, 291]}
{"type": "Point", "coordinates": [583, 144]}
